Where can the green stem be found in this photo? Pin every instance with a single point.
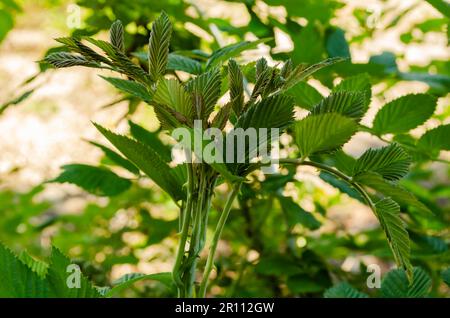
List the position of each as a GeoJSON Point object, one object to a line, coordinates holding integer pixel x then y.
{"type": "Point", "coordinates": [217, 234]}
{"type": "Point", "coordinates": [176, 275]}
{"type": "Point", "coordinates": [195, 243]}
{"type": "Point", "coordinates": [338, 174]}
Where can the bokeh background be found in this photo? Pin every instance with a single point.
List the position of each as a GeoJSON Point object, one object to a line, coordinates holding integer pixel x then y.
{"type": "Point", "coordinates": [401, 44]}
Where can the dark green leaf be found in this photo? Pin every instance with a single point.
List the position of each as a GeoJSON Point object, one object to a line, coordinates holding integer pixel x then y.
{"type": "Point", "coordinates": [207, 86]}
{"type": "Point", "coordinates": [296, 214]}
{"type": "Point", "coordinates": [304, 95]}
{"type": "Point", "coordinates": [236, 83]}
{"type": "Point", "coordinates": [336, 44]}
{"type": "Point", "coordinates": [178, 62]}
{"type": "Point", "coordinates": [388, 213]}
{"type": "Point", "coordinates": [146, 159]}
{"type": "Point", "coordinates": [116, 36]}
{"type": "Point", "coordinates": [151, 139]}
{"type": "Point", "coordinates": [232, 50]}
{"type": "Point", "coordinates": [396, 284]}
{"type": "Point", "coordinates": [158, 47]}
{"type": "Point", "coordinates": [116, 158]}
{"type": "Point", "coordinates": [130, 87]}
{"type": "Point", "coordinates": [389, 189]}
{"type": "Point", "coordinates": [96, 180]}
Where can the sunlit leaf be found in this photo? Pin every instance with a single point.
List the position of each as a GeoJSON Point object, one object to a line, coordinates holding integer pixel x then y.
{"type": "Point", "coordinates": [323, 133]}
{"type": "Point", "coordinates": [404, 114]}
{"type": "Point", "coordinates": [391, 162]}
{"type": "Point", "coordinates": [158, 47]}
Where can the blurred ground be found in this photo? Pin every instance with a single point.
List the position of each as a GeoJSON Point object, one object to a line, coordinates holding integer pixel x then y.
{"type": "Point", "coordinates": [48, 129]}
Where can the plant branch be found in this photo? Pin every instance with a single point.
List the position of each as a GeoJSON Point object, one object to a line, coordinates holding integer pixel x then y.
{"type": "Point", "coordinates": [338, 174]}
{"type": "Point", "coordinates": [184, 233]}
{"type": "Point", "coordinates": [217, 233]}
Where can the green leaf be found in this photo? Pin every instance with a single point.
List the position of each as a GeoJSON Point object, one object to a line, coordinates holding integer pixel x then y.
{"type": "Point", "coordinates": [306, 47]}
{"type": "Point", "coordinates": [304, 95]}
{"type": "Point", "coordinates": [59, 275]}
{"type": "Point", "coordinates": [151, 139]}
{"type": "Point", "coordinates": [222, 116]}
{"type": "Point", "coordinates": [36, 266]}
{"type": "Point", "coordinates": [119, 61]}
{"type": "Point", "coordinates": [357, 83]}
{"type": "Point", "coordinates": [17, 279]}
{"type": "Point", "coordinates": [392, 162]}
{"type": "Point", "coordinates": [207, 86]}
{"type": "Point", "coordinates": [336, 44]}
{"type": "Point", "coordinates": [442, 6]}
{"type": "Point", "coordinates": [343, 161]}
{"type": "Point", "coordinates": [76, 46]}
{"type": "Point", "coordinates": [404, 114]}
{"type": "Point", "coordinates": [130, 87]}
{"type": "Point", "coordinates": [116, 158]}
{"type": "Point", "coordinates": [344, 290]}
{"type": "Point", "coordinates": [65, 59]}
{"type": "Point", "coordinates": [172, 93]}
{"type": "Point", "coordinates": [128, 280]}
{"type": "Point", "coordinates": [236, 83]}
{"type": "Point", "coordinates": [349, 104]}
{"type": "Point", "coordinates": [16, 100]}
{"type": "Point", "coordinates": [435, 140]}
{"type": "Point", "coordinates": [116, 35]}
{"type": "Point", "coordinates": [430, 245]}
{"type": "Point", "coordinates": [6, 23]}
{"type": "Point", "coordinates": [96, 180]}
{"type": "Point", "coordinates": [323, 133]}
{"type": "Point", "coordinates": [341, 185]}
{"type": "Point", "coordinates": [227, 52]}
{"type": "Point", "coordinates": [296, 214]}
{"type": "Point", "coordinates": [263, 76]}
{"type": "Point", "coordinates": [396, 284]}
{"type": "Point", "coordinates": [301, 72]}
{"type": "Point", "coordinates": [388, 213]}
{"type": "Point", "coordinates": [146, 159]}
{"type": "Point", "coordinates": [276, 111]}
{"type": "Point", "coordinates": [183, 63]}
{"type": "Point", "coordinates": [389, 189]}
{"type": "Point", "coordinates": [158, 47]}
